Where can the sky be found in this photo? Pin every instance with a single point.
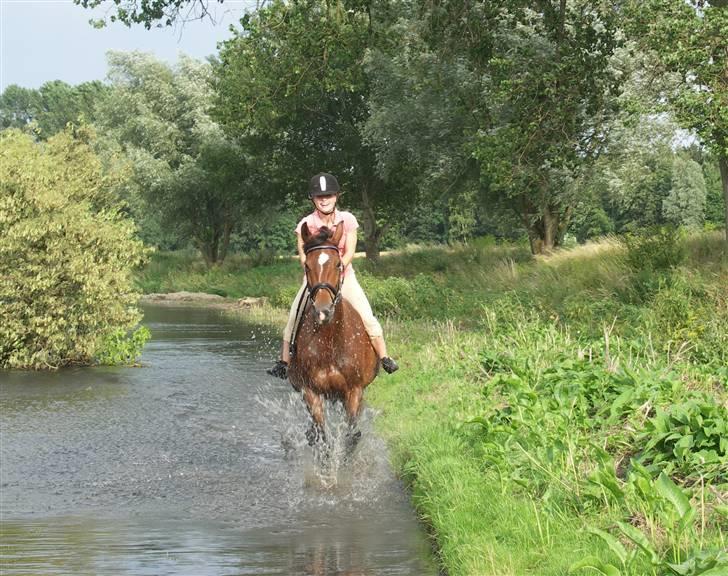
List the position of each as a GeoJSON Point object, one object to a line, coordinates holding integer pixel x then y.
{"type": "Point", "coordinates": [42, 40]}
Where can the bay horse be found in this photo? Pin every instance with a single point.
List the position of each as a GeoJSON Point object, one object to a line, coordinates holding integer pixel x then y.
{"type": "Point", "coordinates": [333, 357]}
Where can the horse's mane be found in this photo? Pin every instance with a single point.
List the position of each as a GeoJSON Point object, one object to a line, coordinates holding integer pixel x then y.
{"type": "Point", "coordinates": [321, 237]}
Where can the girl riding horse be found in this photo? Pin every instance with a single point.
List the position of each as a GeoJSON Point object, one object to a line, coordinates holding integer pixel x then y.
{"type": "Point", "coordinates": [324, 192]}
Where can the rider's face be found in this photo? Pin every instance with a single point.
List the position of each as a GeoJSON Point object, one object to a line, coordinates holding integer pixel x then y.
{"type": "Point", "coordinates": [325, 203]}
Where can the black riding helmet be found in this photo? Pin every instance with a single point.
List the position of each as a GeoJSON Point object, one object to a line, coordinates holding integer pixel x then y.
{"type": "Point", "coordinates": [323, 184]}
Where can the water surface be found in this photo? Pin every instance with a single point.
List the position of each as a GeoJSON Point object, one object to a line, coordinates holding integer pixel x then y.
{"type": "Point", "coordinates": [195, 464]}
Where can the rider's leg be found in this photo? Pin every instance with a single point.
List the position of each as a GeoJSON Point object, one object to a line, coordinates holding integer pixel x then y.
{"type": "Point", "coordinates": [380, 346]}
{"type": "Point", "coordinates": [280, 369]}
{"type": "Point", "coordinates": [291, 324]}
{"type": "Point", "coordinates": [286, 351]}
{"type": "Point", "coordinates": [352, 291]}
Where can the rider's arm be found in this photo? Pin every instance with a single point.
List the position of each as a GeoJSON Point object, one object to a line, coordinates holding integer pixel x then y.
{"type": "Point", "coordinates": [301, 253]}
{"type": "Point", "coordinates": [349, 248]}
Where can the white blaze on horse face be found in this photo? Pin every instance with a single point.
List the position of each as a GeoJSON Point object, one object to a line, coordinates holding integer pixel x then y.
{"type": "Point", "coordinates": [323, 258]}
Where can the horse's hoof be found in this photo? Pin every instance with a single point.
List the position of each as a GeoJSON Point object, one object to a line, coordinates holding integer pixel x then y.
{"type": "Point", "coordinates": [314, 434]}
{"type": "Point", "coordinates": [352, 440]}
{"type": "Point", "coordinates": [279, 370]}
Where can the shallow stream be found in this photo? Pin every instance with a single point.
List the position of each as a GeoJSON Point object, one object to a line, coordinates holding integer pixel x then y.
{"type": "Point", "coordinates": [195, 463]}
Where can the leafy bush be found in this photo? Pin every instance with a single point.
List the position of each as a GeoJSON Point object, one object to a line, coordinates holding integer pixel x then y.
{"type": "Point", "coordinates": [674, 553]}
{"type": "Point", "coordinates": [542, 418]}
{"type": "Point", "coordinates": [656, 249]}
{"type": "Point", "coordinates": [66, 253]}
{"type": "Point", "coordinates": [407, 297]}
{"type": "Point", "coordinates": [118, 347]}
{"type": "Point", "coordinates": [689, 439]}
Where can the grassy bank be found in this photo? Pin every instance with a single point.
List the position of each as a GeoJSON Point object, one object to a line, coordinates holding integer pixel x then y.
{"type": "Point", "coordinates": [549, 412]}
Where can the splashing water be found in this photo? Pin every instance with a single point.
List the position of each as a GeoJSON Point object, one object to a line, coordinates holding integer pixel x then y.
{"type": "Point", "coordinates": [339, 468]}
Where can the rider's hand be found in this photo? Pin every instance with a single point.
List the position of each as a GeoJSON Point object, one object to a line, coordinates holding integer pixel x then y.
{"type": "Point", "coordinates": [303, 261]}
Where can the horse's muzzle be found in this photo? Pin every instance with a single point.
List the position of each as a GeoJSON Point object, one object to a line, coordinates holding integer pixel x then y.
{"type": "Point", "coordinates": [323, 315]}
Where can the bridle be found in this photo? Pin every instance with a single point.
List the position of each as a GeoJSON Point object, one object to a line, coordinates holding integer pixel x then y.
{"type": "Point", "coordinates": [334, 291]}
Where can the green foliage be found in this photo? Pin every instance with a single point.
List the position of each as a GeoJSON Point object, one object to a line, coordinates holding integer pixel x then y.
{"type": "Point", "coordinates": [52, 106]}
{"type": "Point", "coordinates": [656, 249]}
{"type": "Point", "coordinates": [292, 88]}
{"type": "Point", "coordinates": [689, 40]}
{"type": "Point", "coordinates": [407, 297]}
{"type": "Point", "coordinates": [688, 438]}
{"type": "Point", "coordinates": [118, 347]}
{"type": "Point", "coordinates": [189, 178]}
{"type": "Point", "coordinates": [714, 201]}
{"type": "Point", "coordinates": [686, 38]}
{"type": "Point", "coordinates": [154, 13]}
{"type": "Point", "coordinates": [685, 205]}
{"type": "Point", "coordinates": [671, 515]}
{"type": "Point", "coordinates": [66, 253]}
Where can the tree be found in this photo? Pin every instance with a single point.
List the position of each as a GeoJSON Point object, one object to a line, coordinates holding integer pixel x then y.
{"type": "Point", "coordinates": [510, 98]}
{"type": "Point", "coordinates": [554, 87]}
{"type": "Point", "coordinates": [150, 13]}
{"type": "Point", "coordinates": [66, 253]}
{"type": "Point", "coordinates": [51, 107]}
{"type": "Point", "coordinates": [685, 205]}
{"type": "Point", "coordinates": [18, 106]}
{"type": "Point", "coordinates": [188, 172]}
{"type": "Point", "coordinates": [291, 85]}
{"type": "Point", "coordinates": [424, 109]}
{"type": "Point", "coordinates": [714, 200]}
{"type": "Point", "coordinates": [631, 179]}
{"type": "Point", "coordinates": [690, 40]}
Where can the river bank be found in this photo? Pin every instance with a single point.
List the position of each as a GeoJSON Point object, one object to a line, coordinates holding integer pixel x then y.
{"type": "Point", "coordinates": [530, 393]}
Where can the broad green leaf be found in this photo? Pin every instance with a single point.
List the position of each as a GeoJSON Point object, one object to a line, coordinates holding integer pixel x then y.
{"type": "Point", "coordinates": [716, 571]}
{"type": "Point", "coordinates": [594, 563]}
{"type": "Point", "coordinates": [639, 539]}
{"type": "Point", "coordinates": [614, 545]}
{"type": "Point", "coordinates": [670, 491]}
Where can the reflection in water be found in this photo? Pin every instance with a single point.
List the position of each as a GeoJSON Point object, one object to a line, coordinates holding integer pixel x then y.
{"type": "Point", "coordinates": [194, 464]}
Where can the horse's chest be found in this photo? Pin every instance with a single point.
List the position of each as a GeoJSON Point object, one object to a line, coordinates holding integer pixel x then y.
{"type": "Point", "coordinates": [333, 358]}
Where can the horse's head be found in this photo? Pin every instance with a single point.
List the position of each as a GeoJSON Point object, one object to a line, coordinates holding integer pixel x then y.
{"type": "Point", "coordinates": [323, 270]}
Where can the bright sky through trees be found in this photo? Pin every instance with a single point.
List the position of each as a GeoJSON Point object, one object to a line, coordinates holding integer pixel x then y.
{"type": "Point", "coordinates": [44, 40]}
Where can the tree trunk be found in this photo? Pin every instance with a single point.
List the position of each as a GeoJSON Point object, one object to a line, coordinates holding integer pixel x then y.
{"type": "Point", "coordinates": [536, 242]}
{"type": "Point", "coordinates": [550, 229]}
{"type": "Point", "coordinates": [547, 232]}
{"type": "Point", "coordinates": [209, 249]}
{"type": "Point", "coordinates": [723, 163]}
{"type": "Point", "coordinates": [543, 232]}
{"type": "Point", "coordinates": [227, 228]}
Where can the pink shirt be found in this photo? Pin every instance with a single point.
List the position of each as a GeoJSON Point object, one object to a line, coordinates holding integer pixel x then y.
{"type": "Point", "coordinates": [346, 218]}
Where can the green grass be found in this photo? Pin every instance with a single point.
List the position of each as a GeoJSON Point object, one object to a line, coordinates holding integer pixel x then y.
{"type": "Point", "coordinates": [543, 398]}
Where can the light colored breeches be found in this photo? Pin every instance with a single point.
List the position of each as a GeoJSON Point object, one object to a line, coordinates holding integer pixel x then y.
{"type": "Point", "coordinates": [354, 295]}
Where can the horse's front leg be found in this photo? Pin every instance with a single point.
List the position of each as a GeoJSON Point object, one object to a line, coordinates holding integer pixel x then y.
{"type": "Point", "coordinates": [352, 403]}
{"type": "Point", "coordinates": [315, 405]}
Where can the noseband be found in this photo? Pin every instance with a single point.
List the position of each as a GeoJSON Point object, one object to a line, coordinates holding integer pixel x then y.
{"type": "Point", "coordinates": [334, 291]}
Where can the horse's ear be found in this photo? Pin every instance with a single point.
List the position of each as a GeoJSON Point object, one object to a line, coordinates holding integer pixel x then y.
{"type": "Point", "coordinates": [338, 233]}
{"type": "Point", "coordinates": [305, 234]}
